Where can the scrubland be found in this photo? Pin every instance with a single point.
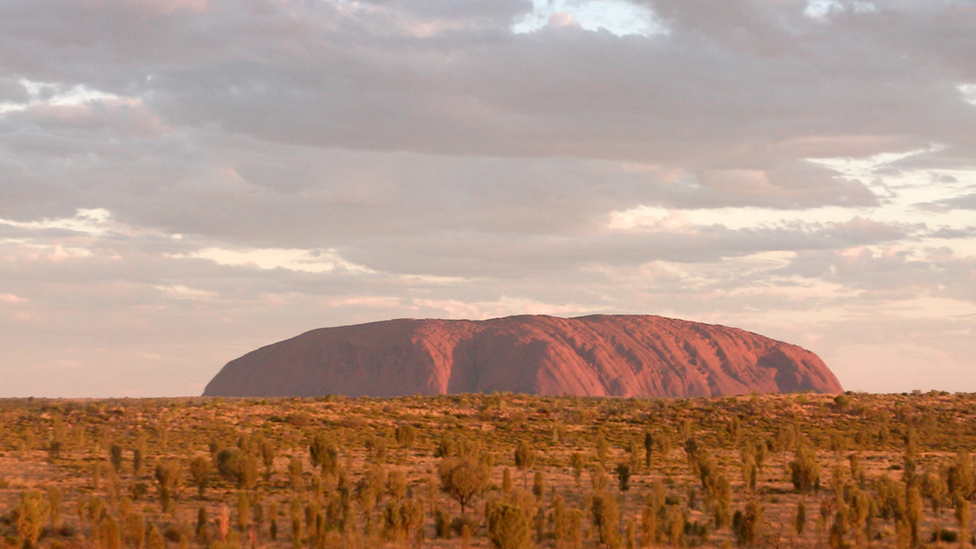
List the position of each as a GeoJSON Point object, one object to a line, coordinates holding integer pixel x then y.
{"type": "Point", "coordinates": [499, 470]}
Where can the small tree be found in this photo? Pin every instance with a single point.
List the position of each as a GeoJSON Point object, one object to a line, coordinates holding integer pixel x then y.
{"type": "Point", "coordinates": [200, 473]}
{"type": "Point", "coordinates": [242, 508]}
{"type": "Point", "coordinates": [524, 459]}
{"type": "Point", "coordinates": [376, 449]}
{"type": "Point", "coordinates": [167, 477]}
{"type": "Point", "coordinates": [509, 526]}
{"type": "Point", "coordinates": [203, 536]}
{"type": "Point", "coordinates": [577, 462]}
{"type": "Point", "coordinates": [137, 457]}
{"type": "Point", "coordinates": [463, 478]}
{"type": "Point", "coordinates": [750, 470]}
{"type": "Point", "coordinates": [273, 522]}
{"type": "Point", "coordinates": [648, 448]}
{"type": "Point", "coordinates": [649, 516]}
{"type": "Point", "coordinates": [396, 484]}
{"type": "Point", "coordinates": [442, 524]}
{"type": "Point", "coordinates": [602, 449]}
{"type": "Point", "coordinates": [115, 456]}
{"type": "Point", "coordinates": [721, 493]}
{"type": "Point", "coordinates": [108, 534]}
{"type": "Point", "coordinates": [268, 453]}
{"type": "Point", "coordinates": [295, 474]}
{"type": "Point", "coordinates": [538, 485]}
{"type": "Point", "coordinates": [31, 513]}
{"type": "Point", "coordinates": [598, 478]}
{"type": "Point", "coordinates": [961, 475]}
{"type": "Point", "coordinates": [804, 469]}
{"type": "Point", "coordinates": [230, 463]}
{"type": "Point", "coordinates": [324, 453]}
{"type": "Point", "coordinates": [54, 505]}
{"type": "Point", "coordinates": [860, 511]}
{"type": "Point", "coordinates": [295, 514]}
{"type": "Point", "coordinates": [800, 518]}
{"type": "Point", "coordinates": [675, 525]}
{"type": "Point", "coordinates": [962, 517]}
{"type": "Point", "coordinates": [623, 476]}
{"type": "Point", "coordinates": [633, 452]}
{"type": "Point", "coordinates": [238, 467]}
{"type": "Point", "coordinates": [913, 513]}
{"type": "Point", "coordinates": [257, 517]}
{"type": "Point", "coordinates": [155, 538]}
{"type": "Point", "coordinates": [560, 521]}
{"type": "Point", "coordinates": [406, 434]}
{"type": "Point", "coordinates": [134, 530]}
{"type": "Point", "coordinates": [606, 518]}
{"type": "Point", "coordinates": [746, 525]}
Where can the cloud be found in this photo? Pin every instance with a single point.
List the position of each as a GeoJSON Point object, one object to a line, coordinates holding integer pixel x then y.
{"type": "Point", "coordinates": [965, 202]}
{"type": "Point", "coordinates": [312, 261]}
{"type": "Point", "coordinates": [184, 180]}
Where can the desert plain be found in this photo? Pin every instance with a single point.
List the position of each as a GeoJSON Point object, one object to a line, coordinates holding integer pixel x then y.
{"type": "Point", "coordinates": [792, 470]}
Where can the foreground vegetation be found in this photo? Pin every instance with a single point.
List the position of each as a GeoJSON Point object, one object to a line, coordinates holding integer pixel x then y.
{"type": "Point", "coordinates": [507, 471]}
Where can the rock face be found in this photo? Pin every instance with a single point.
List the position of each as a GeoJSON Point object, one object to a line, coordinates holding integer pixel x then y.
{"type": "Point", "coordinates": [600, 355]}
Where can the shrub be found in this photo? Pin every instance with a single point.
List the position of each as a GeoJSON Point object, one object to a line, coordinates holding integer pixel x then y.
{"type": "Point", "coordinates": [200, 473]}
{"type": "Point", "coordinates": [108, 534]}
{"type": "Point", "coordinates": [538, 485]}
{"type": "Point", "coordinates": [746, 525]}
{"type": "Point", "coordinates": [167, 477]}
{"type": "Point", "coordinates": [465, 523]}
{"type": "Point", "coordinates": [115, 456]}
{"type": "Point", "coordinates": [524, 458]}
{"type": "Point", "coordinates": [804, 470]}
{"type": "Point", "coordinates": [800, 518]}
{"type": "Point", "coordinates": [406, 434]}
{"type": "Point", "coordinates": [509, 526]}
{"type": "Point", "coordinates": [230, 464]}
{"type": "Point", "coordinates": [623, 476]}
{"type": "Point", "coordinates": [324, 453]}
{"type": "Point", "coordinates": [606, 518]}
{"type": "Point", "coordinates": [134, 530]}
{"type": "Point", "coordinates": [30, 517]}
{"type": "Point", "coordinates": [648, 448]}
{"type": "Point", "coordinates": [960, 475]}
{"type": "Point", "coordinates": [442, 524]}
{"type": "Point", "coordinates": [268, 452]}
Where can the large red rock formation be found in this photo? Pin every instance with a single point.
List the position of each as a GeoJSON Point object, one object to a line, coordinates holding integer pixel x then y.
{"type": "Point", "coordinates": [599, 355]}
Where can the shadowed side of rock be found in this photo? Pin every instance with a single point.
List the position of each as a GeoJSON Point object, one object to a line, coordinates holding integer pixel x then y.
{"type": "Point", "coordinates": [601, 355]}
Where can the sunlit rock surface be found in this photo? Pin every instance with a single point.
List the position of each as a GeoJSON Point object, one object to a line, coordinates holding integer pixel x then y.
{"type": "Point", "coordinates": [599, 355]}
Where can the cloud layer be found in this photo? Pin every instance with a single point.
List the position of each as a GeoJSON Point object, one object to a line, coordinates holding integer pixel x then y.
{"type": "Point", "coordinates": [184, 180]}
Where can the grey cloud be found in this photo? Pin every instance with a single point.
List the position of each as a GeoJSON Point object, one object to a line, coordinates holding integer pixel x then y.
{"type": "Point", "coordinates": [796, 184]}
{"type": "Point", "coordinates": [966, 202]}
{"type": "Point", "coordinates": [892, 274]}
{"type": "Point", "coordinates": [424, 138]}
{"type": "Point", "coordinates": [472, 254]}
{"type": "Point", "coordinates": [949, 233]}
{"type": "Point", "coordinates": [329, 79]}
{"type": "Point", "coordinates": [499, 11]}
{"type": "Point", "coordinates": [12, 91]}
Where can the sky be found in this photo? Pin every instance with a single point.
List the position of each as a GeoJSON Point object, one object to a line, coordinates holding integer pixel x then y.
{"type": "Point", "coordinates": [183, 181]}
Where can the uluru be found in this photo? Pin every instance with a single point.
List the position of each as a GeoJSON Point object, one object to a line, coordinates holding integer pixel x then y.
{"type": "Point", "coordinates": [597, 355]}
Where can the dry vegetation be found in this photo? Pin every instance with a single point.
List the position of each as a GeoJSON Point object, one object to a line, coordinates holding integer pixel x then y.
{"type": "Point", "coordinates": [779, 471]}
